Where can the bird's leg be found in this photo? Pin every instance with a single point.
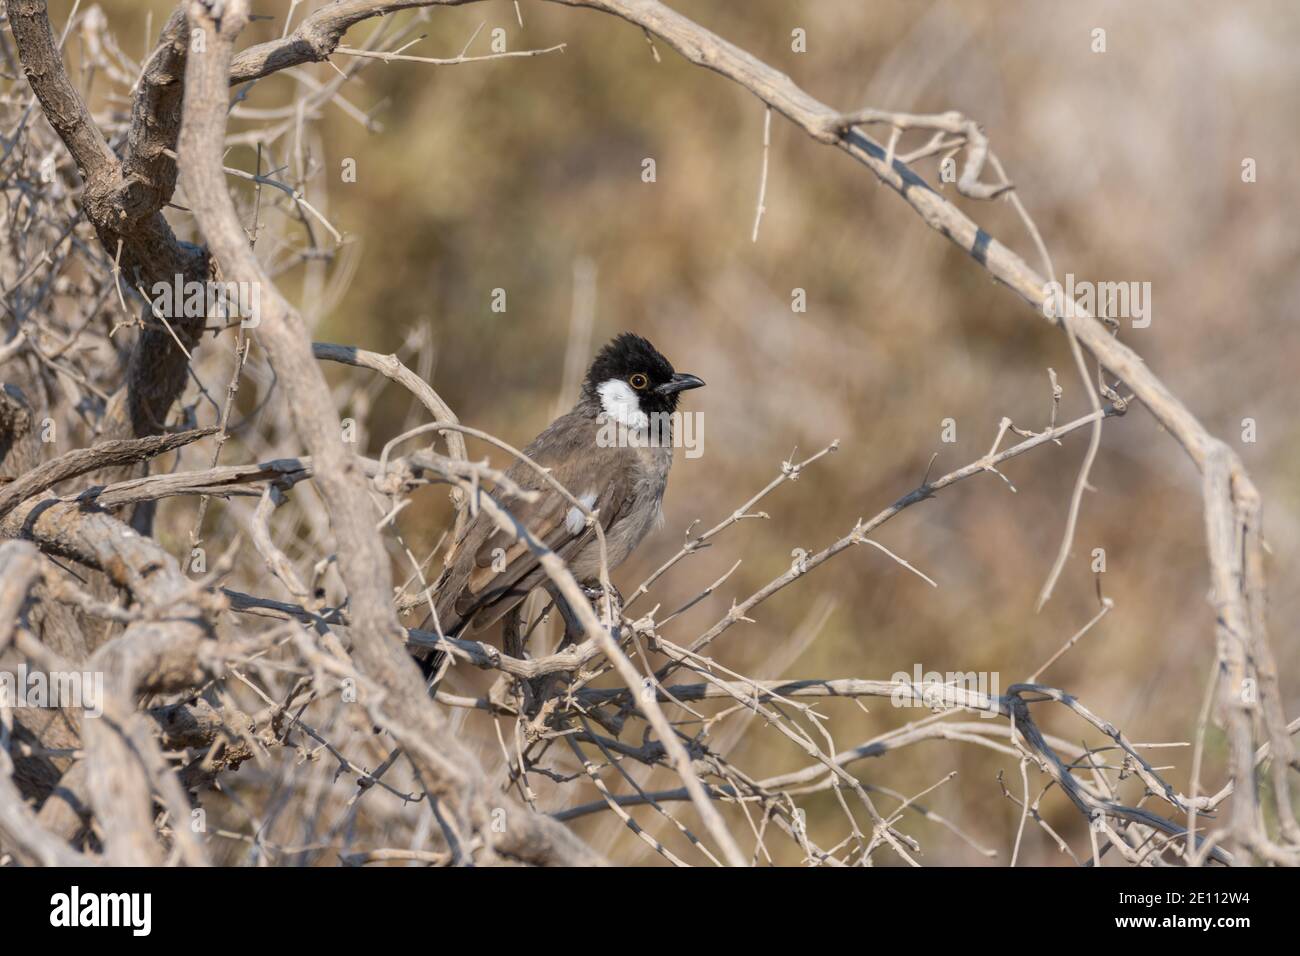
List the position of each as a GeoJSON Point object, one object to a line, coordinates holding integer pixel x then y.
{"type": "Point", "coordinates": [507, 689]}
{"type": "Point", "coordinates": [572, 626]}
{"type": "Point", "coordinates": [596, 595]}
{"type": "Point", "coordinates": [542, 691]}
{"type": "Point", "coordinates": [512, 636]}
{"type": "Point", "coordinates": [574, 631]}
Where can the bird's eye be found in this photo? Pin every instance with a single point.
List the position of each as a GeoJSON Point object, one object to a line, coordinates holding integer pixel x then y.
{"type": "Point", "coordinates": [638, 381]}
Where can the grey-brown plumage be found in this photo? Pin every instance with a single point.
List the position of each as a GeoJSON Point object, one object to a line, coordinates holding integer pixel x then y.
{"type": "Point", "coordinates": [491, 571]}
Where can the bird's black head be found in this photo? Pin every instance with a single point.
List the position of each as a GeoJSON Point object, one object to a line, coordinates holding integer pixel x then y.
{"type": "Point", "coordinates": [631, 376]}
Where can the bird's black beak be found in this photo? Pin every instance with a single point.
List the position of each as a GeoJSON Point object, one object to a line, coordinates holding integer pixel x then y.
{"type": "Point", "coordinates": [680, 383]}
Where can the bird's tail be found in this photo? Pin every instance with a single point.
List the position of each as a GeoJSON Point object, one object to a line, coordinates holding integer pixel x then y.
{"type": "Point", "coordinates": [430, 664]}
{"type": "Point", "coordinates": [448, 623]}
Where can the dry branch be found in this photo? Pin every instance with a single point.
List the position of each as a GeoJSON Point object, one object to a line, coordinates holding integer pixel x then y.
{"type": "Point", "coordinates": [445, 768]}
{"type": "Point", "coordinates": [166, 633]}
{"type": "Point", "coordinates": [82, 460]}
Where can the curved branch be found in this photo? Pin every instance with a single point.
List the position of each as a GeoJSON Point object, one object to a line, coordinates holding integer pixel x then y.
{"type": "Point", "coordinates": [445, 767]}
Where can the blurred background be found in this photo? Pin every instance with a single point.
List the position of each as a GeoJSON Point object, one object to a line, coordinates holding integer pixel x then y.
{"type": "Point", "coordinates": [526, 175]}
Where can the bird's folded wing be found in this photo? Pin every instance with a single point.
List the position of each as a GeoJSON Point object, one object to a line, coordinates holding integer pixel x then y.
{"type": "Point", "coordinates": [503, 562]}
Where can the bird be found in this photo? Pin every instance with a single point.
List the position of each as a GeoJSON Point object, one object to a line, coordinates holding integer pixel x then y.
{"type": "Point", "coordinates": [612, 451]}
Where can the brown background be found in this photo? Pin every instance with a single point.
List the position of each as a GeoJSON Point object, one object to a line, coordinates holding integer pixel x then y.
{"type": "Point", "coordinates": [505, 174]}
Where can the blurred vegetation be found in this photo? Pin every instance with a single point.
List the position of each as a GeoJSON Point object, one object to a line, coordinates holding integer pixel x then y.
{"type": "Point", "coordinates": [504, 174]}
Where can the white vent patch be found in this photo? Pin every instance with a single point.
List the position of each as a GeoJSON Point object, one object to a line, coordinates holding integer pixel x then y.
{"type": "Point", "coordinates": [575, 520]}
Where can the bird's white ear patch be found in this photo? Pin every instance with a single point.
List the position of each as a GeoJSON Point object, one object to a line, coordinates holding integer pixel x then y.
{"type": "Point", "coordinates": [575, 520]}
{"type": "Point", "coordinates": [622, 404]}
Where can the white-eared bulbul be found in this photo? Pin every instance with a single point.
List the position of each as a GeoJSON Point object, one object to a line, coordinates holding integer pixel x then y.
{"type": "Point", "coordinates": [612, 452]}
